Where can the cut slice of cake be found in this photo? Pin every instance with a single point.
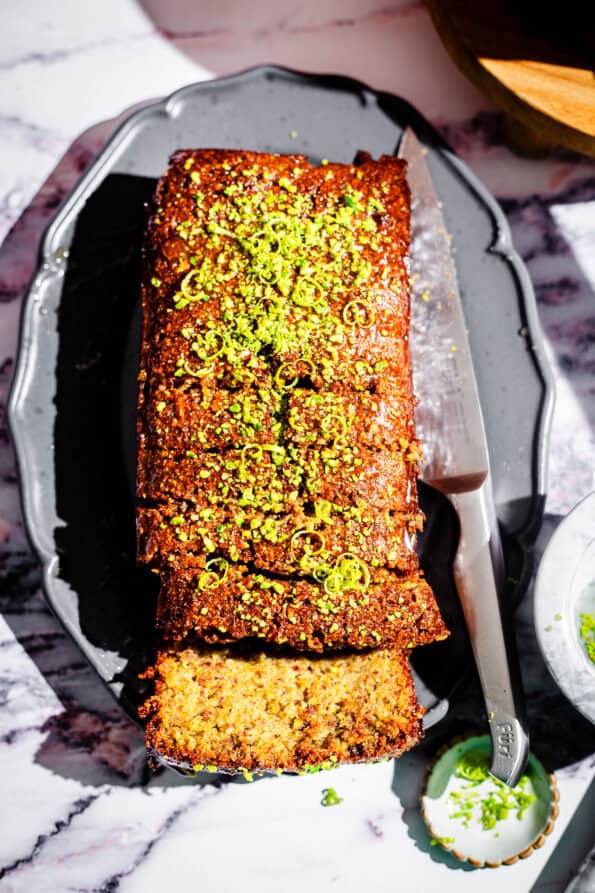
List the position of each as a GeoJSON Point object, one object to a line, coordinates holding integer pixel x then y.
{"type": "Point", "coordinates": [224, 709]}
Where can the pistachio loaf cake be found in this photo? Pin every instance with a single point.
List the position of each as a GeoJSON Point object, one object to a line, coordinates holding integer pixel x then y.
{"type": "Point", "coordinates": [277, 461]}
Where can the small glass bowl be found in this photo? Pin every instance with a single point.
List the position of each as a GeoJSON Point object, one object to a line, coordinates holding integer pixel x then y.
{"type": "Point", "coordinates": [564, 592]}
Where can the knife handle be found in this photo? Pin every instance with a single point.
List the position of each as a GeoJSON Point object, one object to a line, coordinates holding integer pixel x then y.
{"type": "Point", "coordinates": [481, 580]}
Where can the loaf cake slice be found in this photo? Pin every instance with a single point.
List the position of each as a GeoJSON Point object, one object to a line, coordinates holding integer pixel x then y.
{"type": "Point", "coordinates": [213, 606]}
{"type": "Point", "coordinates": [298, 543]}
{"type": "Point", "coordinates": [223, 709]}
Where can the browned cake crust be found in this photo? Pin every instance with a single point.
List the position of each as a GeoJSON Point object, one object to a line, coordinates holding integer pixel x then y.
{"type": "Point", "coordinates": [292, 544]}
{"type": "Point", "coordinates": [216, 709]}
{"type": "Point", "coordinates": [275, 409]}
{"type": "Point", "coordinates": [390, 611]}
{"type": "Point", "coordinates": [275, 478]}
{"type": "Point", "coordinates": [197, 418]}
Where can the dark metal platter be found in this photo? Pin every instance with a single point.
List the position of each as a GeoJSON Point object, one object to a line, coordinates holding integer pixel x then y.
{"type": "Point", "coordinates": [73, 399]}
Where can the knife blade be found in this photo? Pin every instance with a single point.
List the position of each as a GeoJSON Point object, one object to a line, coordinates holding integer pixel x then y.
{"type": "Point", "coordinates": [449, 423]}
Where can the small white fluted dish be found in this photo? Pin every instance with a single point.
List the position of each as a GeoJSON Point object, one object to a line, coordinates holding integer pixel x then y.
{"type": "Point", "coordinates": [565, 589]}
{"type": "Point", "coordinates": [514, 836]}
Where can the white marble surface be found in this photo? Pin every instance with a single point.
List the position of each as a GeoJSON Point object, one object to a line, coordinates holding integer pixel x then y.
{"type": "Point", "coordinates": [77, 811]}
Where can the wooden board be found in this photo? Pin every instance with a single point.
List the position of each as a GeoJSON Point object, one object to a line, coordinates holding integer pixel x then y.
{"type": "Point", "coordinates": [536, 66]}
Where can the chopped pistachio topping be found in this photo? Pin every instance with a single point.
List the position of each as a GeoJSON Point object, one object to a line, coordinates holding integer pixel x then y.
{"type": "Point", "coordinates": [273, 294]}
{"type": "Point", "coordinates": [285, 266]}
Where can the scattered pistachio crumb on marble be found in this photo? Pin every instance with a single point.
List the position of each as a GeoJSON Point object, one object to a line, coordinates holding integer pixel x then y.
{"type": "Point", "coordinates": [330, 797]}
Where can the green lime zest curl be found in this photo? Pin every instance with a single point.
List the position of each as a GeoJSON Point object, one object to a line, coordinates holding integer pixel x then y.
{"type": "Point", "coordinates": [358, 313]}
{"type": "Point", "coordinates": [214, 574]}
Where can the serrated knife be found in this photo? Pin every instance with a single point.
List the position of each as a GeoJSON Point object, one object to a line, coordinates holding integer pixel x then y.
{"type": "Point", "coordinates": [456, 462]}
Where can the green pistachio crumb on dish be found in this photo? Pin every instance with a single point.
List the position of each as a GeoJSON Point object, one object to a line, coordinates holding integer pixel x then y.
{"type": "Point", "coordinates": [492, 805]}
{"type": "Point", "coordinates": [441, 841]}
{"type": "Point", "coordinates": [330, 797]}
{"type": "Point", "coordinates": [557, 616]}
{"type": "Point", "coordinates": [587, 632]}
{"type": "Point", "coordinates": [293, 134]}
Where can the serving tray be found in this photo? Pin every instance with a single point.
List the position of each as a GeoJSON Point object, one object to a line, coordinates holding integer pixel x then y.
{"type": "Point", "coordinates": [72, 404]}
